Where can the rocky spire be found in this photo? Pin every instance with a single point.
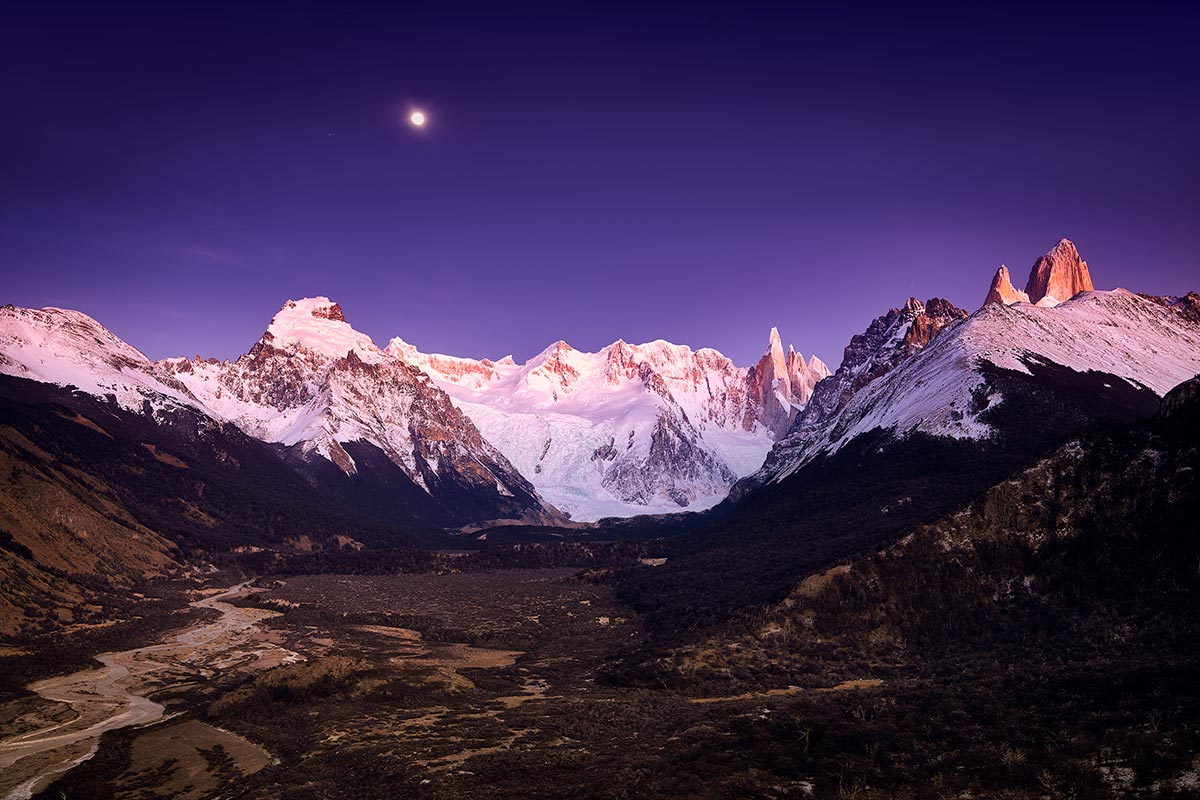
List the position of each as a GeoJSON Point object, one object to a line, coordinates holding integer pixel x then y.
{"type": "Point", "coordinates": [1059, 275]}
{"type": "Point", "coordinates": [780, 385]}
{"type": "Point", "coordinates": [778, 362]}
{"type": "Point", "coordinates": [771, 387]}
{"type": "Point", "coordinates": [1002, 291]}
{"type": "Point", "coordinates": [818, 369]}
{"type": "Point", "coordinates": [798, 376]}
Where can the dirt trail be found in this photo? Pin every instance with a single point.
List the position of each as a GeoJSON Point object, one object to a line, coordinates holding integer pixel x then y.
{"type": "Point", "coordinates": [844, 686]}
{"type": "Point", "coordinates": [115, 696]}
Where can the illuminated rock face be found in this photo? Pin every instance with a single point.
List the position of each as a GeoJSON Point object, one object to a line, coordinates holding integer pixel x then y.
{"type": "Point", "coordinates": [929, 369]}
{"type": "Point", "coordinates": [1002, 290]}
{"type": "Point", "coordinates": [1059, 274]}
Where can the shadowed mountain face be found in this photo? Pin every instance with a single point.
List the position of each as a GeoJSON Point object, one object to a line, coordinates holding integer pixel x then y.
{"type": "Point", "coordinates": [920, 418]}
{"type": "Point", "coordinates": [1096, 540]}
{"type": "Point", "coordinates": [96, 494]}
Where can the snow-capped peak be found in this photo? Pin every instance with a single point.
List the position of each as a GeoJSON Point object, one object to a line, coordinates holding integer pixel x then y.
{"type": "Point", "coordinates": [631, 428]}
{"type": "Point", "coordinates": [774, 343]}
{"type": "Point", "coordinates": [818, 368]}
{"type": "Point", "coordinates": [317, 325]}
{"type": "Point", "coordinates": [931, 368]}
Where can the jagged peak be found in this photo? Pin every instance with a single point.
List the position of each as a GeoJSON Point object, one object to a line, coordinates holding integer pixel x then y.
{"type": "Point", "coordinates": [818, 367]}
{"type": "Point", "coordinates": [558, 351]}
{"type": "Point", "coordinates": [399, 348]}
{"type": "Point", "coordinates": [1002, 291]}
{"type": "Point", "coordinates": [1065, 248]}
{"type": "Point", "coordinates": [1060, 274]}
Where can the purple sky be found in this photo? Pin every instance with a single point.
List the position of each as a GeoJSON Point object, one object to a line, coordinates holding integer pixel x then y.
{"type": "Point", "coordinates": [589, 172]}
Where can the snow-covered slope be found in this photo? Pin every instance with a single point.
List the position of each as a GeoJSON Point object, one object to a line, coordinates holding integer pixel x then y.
{"type": "Point", "coordinates": [647, 428]}
{"type": "Point", "coordinates": [943, 388]}
{"type": "Point", "coordinates": [632, 429]}
{"type": "Point", "coordinates": [314, 382]}
{"type": "Point", "coordinates": [69, 348]}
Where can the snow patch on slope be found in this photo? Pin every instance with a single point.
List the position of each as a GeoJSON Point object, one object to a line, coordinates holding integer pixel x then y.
{"type": "Point", "coordinates": [935, 390]}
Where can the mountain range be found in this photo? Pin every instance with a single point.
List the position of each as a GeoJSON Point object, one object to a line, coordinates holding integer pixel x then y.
{"type": "Point", "coordinates": [319, 438]}
{"type": "Point", "coordinates": [631, 429]}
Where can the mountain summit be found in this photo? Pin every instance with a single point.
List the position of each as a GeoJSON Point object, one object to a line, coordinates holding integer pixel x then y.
{"type": "Point", "coordinates": [1060, 274]}
{"type": "Point", "coordinates": [1055, 278]}
{"type": "Point", "coordinates": [359, 422]}
{"type": "Point", "coordinates": [1002, 290]}
{"type": "Point", "coordinates": [647, 428]}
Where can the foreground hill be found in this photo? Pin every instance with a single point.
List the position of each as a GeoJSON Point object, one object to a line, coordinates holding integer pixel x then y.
{"type": "Point", "coordinates": [1039, 641]}
{"type": "Point", "coordinates": [97, 497]}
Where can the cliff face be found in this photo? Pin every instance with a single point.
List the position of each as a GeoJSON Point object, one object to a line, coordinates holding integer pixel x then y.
{"type": "Point", "coordinates": [1055, 278]}
{"type": "Point", "coordinates": [1002, 290]}
{"type": "Point", "coordinates": [1060, 274]}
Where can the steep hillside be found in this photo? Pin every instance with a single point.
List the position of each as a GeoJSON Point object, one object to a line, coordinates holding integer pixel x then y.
{"type": "Point", "coordinates": [96, 496]}
{"type": "Point", "coordinates": [1093, 547]}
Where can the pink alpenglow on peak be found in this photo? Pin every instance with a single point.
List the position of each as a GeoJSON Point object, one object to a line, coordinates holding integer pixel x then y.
{"type": "Point", "coordinates": [1055, 278]}
{"type": "Point", "coordinates": [1060, 274]}
{"type": "Point", "coordinates": [632, 428]}
{"type": "Point", "coordinates": [1002, 290]}
{"type": "Point", "coordinates": [781, 385]}
{"type": "Point", "coordinates": [317, 325]}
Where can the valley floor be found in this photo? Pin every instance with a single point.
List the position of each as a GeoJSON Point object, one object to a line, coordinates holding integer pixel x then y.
{"type": "Point", "coordinates": [513, 683]}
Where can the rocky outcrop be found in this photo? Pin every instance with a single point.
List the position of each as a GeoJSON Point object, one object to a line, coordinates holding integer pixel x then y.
{"type": "Point", "coordinates": [1060, 274]}
{"type": "Point", "coordinates": [886, 342]}
{"type": "Point", "coordinates": [780, 386]}
{"type": "Point", "coordinates": [1002, 290]}
{"type": "Point", "coordinates": [1187, 306]}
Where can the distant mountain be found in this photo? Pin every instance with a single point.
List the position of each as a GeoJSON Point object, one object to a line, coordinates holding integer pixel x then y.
{"type": "Point", "coordinates": [647, 428]}
{"type": "Point", "coordinates": [69, 348]}
{"type": "Point", "coordinates": [363, 426]}
{"type": "Point", "coordinates": [930, 368]}
{"type": "Point", "coordinates": [929, 407]}
{"type": "Point", "coordinates": [363, 429]}
{"type": "Point", "coordinates": [413, 438]}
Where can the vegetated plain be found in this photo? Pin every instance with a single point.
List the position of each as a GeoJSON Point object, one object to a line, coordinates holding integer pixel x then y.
{"type": "Point", "coordinates": [1038, 641]}
{"type": "Point", "coordinates": [519, 683]}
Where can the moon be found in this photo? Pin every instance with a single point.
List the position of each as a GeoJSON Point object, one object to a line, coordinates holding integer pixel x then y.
{"type": "Point", "coordinates": [417, 118]}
